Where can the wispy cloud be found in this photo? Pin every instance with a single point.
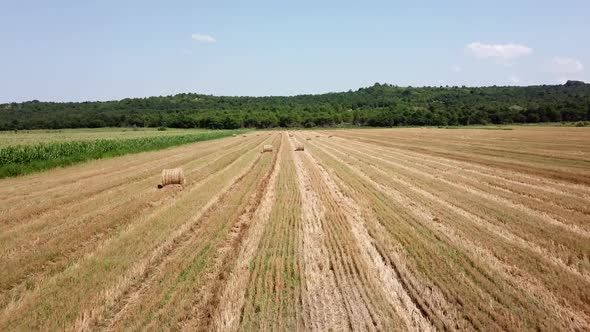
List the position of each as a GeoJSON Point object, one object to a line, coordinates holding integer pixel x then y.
{"type": "Point", "coordinates": [457, 69]}
{"type": "Point", "coordinates": [498, 52]}
{"type": "Point", "coordinates": [203, 38]}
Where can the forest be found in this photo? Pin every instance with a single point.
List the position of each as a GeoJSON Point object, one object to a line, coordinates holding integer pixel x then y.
{"type": "Point", "coordinates": [381, 105]}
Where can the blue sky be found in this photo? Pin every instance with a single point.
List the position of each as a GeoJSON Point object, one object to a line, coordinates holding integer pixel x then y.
{"type": "Point", "coordinates": [102, 50]}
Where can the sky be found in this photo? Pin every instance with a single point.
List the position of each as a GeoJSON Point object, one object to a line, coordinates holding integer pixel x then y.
{"type": "Point", "coordinates": [86, 50]}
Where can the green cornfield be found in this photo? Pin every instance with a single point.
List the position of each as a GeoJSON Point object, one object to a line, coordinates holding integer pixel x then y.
{"type": "Point", "coordinates": [27, 158]}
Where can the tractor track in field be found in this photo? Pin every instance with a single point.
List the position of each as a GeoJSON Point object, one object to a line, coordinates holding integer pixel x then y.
{"type": "Point", "coordinates": [108, 185]}
{"type": "Point", "coordinates": [456, 168]}
{"type": "Point", "coordinates": [145, 194]}
{"type": "Point", "coordinates": [359, 282]}
{"type": "Point", "coordinates": [536, 182]}
{"type": "Point", "coordinates": [323, 301]}
{"type": "Point", "coordinates": [384, 277]}
{"type": "Point", "coordinates": [543, 217]}
{"type": "Point", "coordinates": [231, 300]}
{"type": "Point", "coordinates": [155, 203]}
{"type": "Point", "coordinates": [131, 286]}
{"type": "Point", "coordinates": [58, 189]}
{"type": "Point", "coordinates": [275, 270]}
{"type": "Point", "coordinates": [120, 286]}
{"type": "Point", "coordinates": [203, 308]}
{"type": "Point", "coordinates": [363, 230]}
{"type": "Point", "coordinates": [581, 182]}
{"type": "Point", "coordinates": [522, 278]}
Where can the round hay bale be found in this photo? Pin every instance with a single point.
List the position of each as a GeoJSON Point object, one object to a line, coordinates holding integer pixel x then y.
{"type": "Point", "coordinates": [309, 139]}
{"type": "Point", "coordinates": [234, 135]}
{"type": "Point", "coordinates": [243, 135]}
{"type": "Point", "coordinates": [267, 148]}
{"type": "Point", "coordinates": [172, 176]}
{"type": "Point", "coordinates": [299, 147]}
{"type": "Point", "coordinates": [290, 135]}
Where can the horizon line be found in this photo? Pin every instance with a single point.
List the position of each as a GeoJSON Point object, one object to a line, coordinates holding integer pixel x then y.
{"type": "Point", "coordinates": [295, 95]}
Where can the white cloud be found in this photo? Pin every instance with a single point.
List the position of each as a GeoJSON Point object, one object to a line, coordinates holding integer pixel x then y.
{"type": "Point", "coordinates": [514, 80]}
{"type": "Point", "coordinates": [203, 38]}
{"type": "Point", "coordinates": [498, 52]}
{"type": "Point", "coordinates": [457, 69]}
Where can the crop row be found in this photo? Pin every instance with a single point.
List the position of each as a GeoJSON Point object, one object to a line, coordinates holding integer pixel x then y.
{"type": "Point", "coordinates": [22, 159]}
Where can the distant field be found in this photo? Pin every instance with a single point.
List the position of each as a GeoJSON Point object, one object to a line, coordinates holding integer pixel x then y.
{"type": "Point", "coordinates": [28, 152]}
{"type": "Point", "coordinates": [376, 229]}
{"type": "Point", "coordinates": [62, 135]}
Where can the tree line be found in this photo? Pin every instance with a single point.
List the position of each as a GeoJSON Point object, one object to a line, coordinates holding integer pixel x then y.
{"type": "Point", "coordinates": [381, 105]}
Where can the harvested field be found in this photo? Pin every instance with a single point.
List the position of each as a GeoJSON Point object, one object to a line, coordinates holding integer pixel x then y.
{"type": "Point", "coordinates": [376, 229]}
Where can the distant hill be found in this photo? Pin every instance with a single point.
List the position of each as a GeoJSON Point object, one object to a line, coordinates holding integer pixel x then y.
{"type": "Point", "coordinates": [378, 105]}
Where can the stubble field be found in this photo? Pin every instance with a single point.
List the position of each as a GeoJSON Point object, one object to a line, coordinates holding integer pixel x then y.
{"type": "Point", "coordinates": [402, 229]}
